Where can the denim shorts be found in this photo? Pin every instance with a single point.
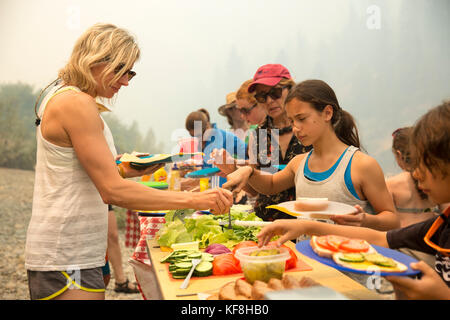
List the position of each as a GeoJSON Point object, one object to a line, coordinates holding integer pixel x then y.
{"type": "Point", "coordinates": [46, 285]}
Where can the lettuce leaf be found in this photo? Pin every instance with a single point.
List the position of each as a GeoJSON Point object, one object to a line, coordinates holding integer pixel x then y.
{"type": "Point", "coordinates": [173, 232]}
{"type": "Point", "coordinates": [206, 229]}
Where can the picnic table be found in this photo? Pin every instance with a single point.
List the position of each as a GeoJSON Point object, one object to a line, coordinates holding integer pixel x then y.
{"type": "Point", "coordinates": [156, 283]}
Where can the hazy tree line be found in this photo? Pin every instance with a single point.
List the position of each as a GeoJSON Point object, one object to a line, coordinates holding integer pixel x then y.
{"type": "Point", "coordinates": [18, 129]}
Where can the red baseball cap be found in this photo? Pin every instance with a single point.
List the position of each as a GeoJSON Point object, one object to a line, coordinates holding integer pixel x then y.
{"type": "Point", "coordinates": [270, 75]}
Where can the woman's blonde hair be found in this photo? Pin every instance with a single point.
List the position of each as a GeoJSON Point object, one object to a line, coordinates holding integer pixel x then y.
{"type": "Point", "coordinates": [98, 44]}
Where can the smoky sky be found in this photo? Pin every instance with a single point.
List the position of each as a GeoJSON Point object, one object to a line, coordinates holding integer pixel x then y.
{"type": "Point", "coordinates": [388, 61]}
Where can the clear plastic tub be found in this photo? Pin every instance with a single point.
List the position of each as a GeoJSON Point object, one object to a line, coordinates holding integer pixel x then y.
{"type": "Point", "coordinates": [262, 263]}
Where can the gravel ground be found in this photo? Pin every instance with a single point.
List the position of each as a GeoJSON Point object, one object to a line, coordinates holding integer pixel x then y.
{"type": "Point", "coordinates": [16, 194]}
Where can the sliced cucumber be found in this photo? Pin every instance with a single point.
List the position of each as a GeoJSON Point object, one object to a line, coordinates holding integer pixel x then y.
{"type": "Point", "coordinates": [389, 263]}
{"type": "Point", "coordinates": [179, 271]}
{"type": "Point", "coordinates": [179, 255]}
{"type": "Point", "coordinates": [183, 265]}
{"type": "Point", "coordinates": [352, 257]}
{"type": "Point", "coordinates": [204, 267]}
{"type": "Point", "coordinates": [166, 258]}
{"type": "Point", "coordinates": [207, 257]}
{"type": "Point", "coordinates": [195, 255]}
{"type": "Point", "coordinates": [175, 276]}
{"type": "Point", "coordinates": [380, 260]}
{"type": "Point", "coordinates": [374, 257]}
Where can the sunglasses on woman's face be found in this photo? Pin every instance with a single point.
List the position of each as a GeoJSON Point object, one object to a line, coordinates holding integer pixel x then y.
{"type": "Point", "coordinates": [246, 111]}
{"type": "Point", "coordinates": [129, 72]}
{"type": "Point", "coordinates": [275, 93]}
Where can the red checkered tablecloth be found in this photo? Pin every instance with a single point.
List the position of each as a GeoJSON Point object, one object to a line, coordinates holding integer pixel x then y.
{"type": "Point", "coordinates": [148, 226]}
{"type": "Point", "coordinates": [140, 261]}
{"type": "Point", "coordinates": [132, 230]}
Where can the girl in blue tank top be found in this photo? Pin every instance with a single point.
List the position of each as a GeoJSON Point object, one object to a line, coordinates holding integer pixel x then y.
{"type": "Point", "coordinates": [319, 121]}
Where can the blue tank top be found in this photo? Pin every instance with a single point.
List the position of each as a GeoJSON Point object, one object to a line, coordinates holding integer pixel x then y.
{"type": "Point", "coordinates": [320, 176]}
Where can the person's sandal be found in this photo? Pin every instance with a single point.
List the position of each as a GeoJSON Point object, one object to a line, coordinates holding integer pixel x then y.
{"type": "Point", "coordinates": [123, 287]}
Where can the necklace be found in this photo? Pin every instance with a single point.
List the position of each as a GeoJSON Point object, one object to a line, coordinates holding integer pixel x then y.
{"type": "Point", "coordinates": [281, 131]}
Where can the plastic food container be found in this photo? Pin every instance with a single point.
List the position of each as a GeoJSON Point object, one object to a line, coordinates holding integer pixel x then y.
{"type": "Point", "coordinates": [262, 263]}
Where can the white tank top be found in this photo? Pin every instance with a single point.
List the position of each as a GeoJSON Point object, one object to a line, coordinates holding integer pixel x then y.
{"type": "Point", "coordinates": [69, 222]}
{"type": "Point", "coordinates": [333, 188]}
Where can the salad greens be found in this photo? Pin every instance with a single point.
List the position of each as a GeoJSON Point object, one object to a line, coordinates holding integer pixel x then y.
{"type": "Point", "coordinates": [206, 229]}
{"type": "Point", "coordinates": [173, 232]}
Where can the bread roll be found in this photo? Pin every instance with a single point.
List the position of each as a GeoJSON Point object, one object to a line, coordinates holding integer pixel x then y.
{"type": "Point", "coordinates": [311, 204]}
{"type": "Point", "coordinates": [243, 288]}
{"type": "Point", "coordinates": [289, 282]}
{"type": "Point", "coordinates": [275, 284]}
{"type": "Point", "coordinates": [227, 292]}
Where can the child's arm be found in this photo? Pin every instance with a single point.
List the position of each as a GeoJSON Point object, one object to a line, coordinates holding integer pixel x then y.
{"type": "Point", "coordinates": [291, 229]}
{"type": "Point", "coordinates": [262, 182]}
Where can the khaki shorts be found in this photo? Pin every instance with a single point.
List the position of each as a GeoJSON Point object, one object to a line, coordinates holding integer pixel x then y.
{"type": "Point", "coordinates": [46, 285]}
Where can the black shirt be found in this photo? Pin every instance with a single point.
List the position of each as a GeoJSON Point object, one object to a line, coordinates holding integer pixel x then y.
{"type": "Point", "coordinates": [412, 236]}
{"type": "Point", "coordinates": [268, 153]}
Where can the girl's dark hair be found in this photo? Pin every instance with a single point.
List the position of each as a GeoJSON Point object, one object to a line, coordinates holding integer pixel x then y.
{"type": "Point", "coordinates": [400, 142]}
{"type": "Point", "coordinates": [319, 94]}
{"type": "Point", "coordinates": [430, 140]}
{"type": "Point", "coordinates": [199, 115]}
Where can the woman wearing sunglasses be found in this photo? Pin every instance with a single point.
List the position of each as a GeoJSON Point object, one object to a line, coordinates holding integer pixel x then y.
{"type": "Point", "coordinates": [77, 176]}
{"type": "Point", "coordinates": [430, 153]}
{"type": "Point", "coordinates": [254, 113]}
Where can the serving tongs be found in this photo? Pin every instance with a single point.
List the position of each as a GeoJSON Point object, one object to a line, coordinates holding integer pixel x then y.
{"type": "Point", "coordinates": [243, 223]}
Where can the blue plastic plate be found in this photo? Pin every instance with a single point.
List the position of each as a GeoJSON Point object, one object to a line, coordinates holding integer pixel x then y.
{"type": "Point", "coordinates": [151, 214]}
{"type": "Point", "coordinates": [304, 247]}
{"type": "Point", "coordinates": [168, 159]}
{"type": "Point", "coordinates": [203, 173]}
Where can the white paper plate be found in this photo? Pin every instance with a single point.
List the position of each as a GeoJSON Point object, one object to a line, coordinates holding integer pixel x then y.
{"type": "Point", "coordinates": [334, 208]}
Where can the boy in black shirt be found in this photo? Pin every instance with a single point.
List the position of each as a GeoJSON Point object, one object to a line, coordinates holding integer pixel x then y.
{"type": "Point", "coordinates": [431, 154]}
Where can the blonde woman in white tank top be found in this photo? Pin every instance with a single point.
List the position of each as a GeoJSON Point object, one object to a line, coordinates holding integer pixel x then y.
{"type": "Point", "coordinates": [318, 120]}
{"type": "Point", "coordinates": [76, 173]}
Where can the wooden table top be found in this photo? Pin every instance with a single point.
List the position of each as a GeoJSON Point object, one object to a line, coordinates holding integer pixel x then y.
{"type": "Point", "coordinates": [325, 275]}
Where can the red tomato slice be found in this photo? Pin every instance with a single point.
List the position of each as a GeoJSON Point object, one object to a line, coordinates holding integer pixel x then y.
{"type": "Point", "coordinates": [322, 242]}
{"type": "Point", "coordinates": [243, 244]}
{"type": "Point", "coordinates": [335, 241]}
{"type": "Point", "coordinates": [354, 245]}
{"type": "Point", "coordinates": [292, 261]}
{"type": "Point", "coordinates": [225, 264]}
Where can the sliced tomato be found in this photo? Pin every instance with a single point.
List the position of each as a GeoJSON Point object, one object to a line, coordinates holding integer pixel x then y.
{"type": "Point", "coordinates": [244, 244]}
{"type": "Point", "coordinates": [292, 261]}
{"type": "Point", "coordinates": [354, 245]}
{"type": "Point", "coordinates": [225, 264]}
{"type": "Point", "coordinates": [323, 242]}
{"type": "Point", "coordinates": [335, 241]}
